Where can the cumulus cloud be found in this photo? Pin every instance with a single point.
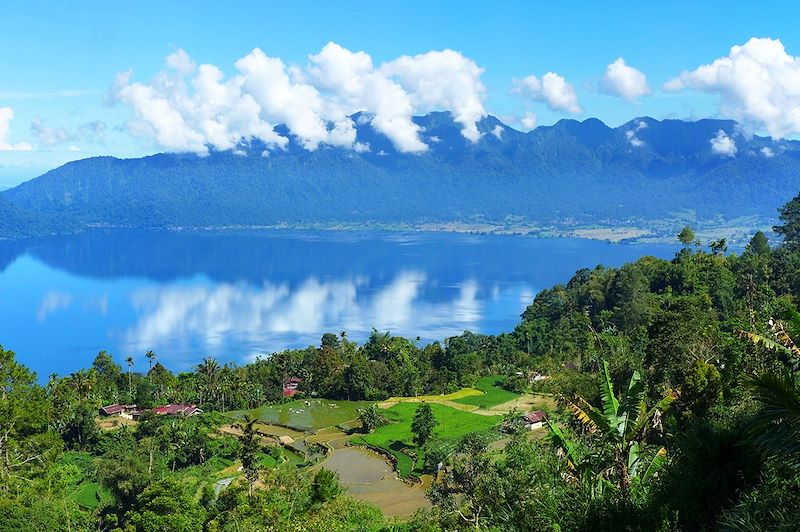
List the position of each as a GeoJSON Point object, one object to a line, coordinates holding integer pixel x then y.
{"type": "Point", "coordinates": [498, 131]}
{"type": "Point", "coordinates": [528, 121]}
{"type": "Point", "coordinates": [551, 89]}
{"type": "Point", "coordinates": [758, 84]}
{"type": "Point", "coordinates": [48, 137]}
{"type": "Point", "coordinates": [443, 79]}
{"type": "Point", "coordinates": [767, 152]}
{"type": "Point", "coordinates": [188, 107]}
{"type": "Point", "coordinates": [6, 116]}
{"type": "Point", "coordinates": [722, 144]}
{"type": "Point", "coordinates": [624, 81]}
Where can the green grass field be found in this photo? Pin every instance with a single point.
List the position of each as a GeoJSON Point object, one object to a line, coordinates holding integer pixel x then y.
{"type": "Point", "coordinates": [460, 394]}
{"type": "Point", "coordinates": [90, 494]}
{"type": "Point", "coordinates": [317, 414]}
{"type": "Point", "coordinates": [396, 438]}
{"type": "Point", "coordinates": [493, 394]}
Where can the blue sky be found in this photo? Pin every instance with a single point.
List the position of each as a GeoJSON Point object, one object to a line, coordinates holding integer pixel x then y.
{"type": "Point", "coordinates": [60, 61]}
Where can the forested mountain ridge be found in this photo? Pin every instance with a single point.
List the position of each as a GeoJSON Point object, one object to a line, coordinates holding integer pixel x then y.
{"type": "Point", "coordinates": [571, 172]}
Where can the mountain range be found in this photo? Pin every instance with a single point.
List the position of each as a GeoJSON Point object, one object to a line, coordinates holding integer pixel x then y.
{"type": "Point", "coordinates": [573, 172]}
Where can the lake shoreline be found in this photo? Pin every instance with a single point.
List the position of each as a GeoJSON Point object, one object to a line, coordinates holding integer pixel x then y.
{"type": "Point", "coordinates": [735, 232]}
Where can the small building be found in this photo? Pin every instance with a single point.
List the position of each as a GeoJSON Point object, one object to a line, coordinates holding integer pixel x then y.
{"type": "Point", "coordinates": [134, 415]}
{"type": "Point", "coordinates": [116, 410]}
{"type": "Point", "coordinates": [180, 409]}
{"type": "Point", "coordinates": [291, 386]}
{"type": "Point", "coordinates": [534, 420]}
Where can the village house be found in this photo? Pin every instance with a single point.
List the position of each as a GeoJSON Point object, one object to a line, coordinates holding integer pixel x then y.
{"type": "Point", "coordinates": [290, 386]}
{"type": "Point", "coordinates": [177, 409]}
{"type": "Point", "coordinates": [534, 420]}
{"type": "Point", "coordinates": [117, 410]}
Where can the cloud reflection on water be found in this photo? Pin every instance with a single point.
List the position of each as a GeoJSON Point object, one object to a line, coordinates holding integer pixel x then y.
{"type": "Point", "coordinates": [215, 318]}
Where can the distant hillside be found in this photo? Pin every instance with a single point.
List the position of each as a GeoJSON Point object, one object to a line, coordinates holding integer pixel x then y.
{"type": "Point", "coordinates": [16, 222]}
{"type": "Point", "coordinates": [572, 171]}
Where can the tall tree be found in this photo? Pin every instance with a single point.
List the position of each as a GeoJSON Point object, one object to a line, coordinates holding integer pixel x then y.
{"type": "Point", "coordinates": [248, 452]}
{"type": "Point", "coordinates": [24, 416]}
{"type": "Point", "coordinates": [759, 245]}
{"type": "Point", "coordinates": [129, 361]}
{"type": "Point", "coordinates": [686, 236]}
{"type": "Point", "coordinates": [151, 357]}
{"type": "Point", "coordinates": [209, 373]}
{"type": "Point", "coordinates": [790, 229]}
{"type": "Point", "coordinates": [423, 425]}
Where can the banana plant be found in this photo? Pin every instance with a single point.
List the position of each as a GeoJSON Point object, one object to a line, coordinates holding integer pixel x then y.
{"type": "Point", "coordinates": [622, 424]}
{"type": "Point", "coordinates": [776, 431]}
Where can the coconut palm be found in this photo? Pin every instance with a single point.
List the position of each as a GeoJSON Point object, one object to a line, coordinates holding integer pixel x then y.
{"type": "Point", "coordinates": [84, 382]}
{"type": "Point", "coordinates": [208, 371]}
{"type": "Point", "coordinates": [371, 418]}
{"type": "Point", "coordinates": [622, 424]}
{"type": "Point", "coordinates": [129, 361]}
{"type": "Point", "coordinates": [151, 356]}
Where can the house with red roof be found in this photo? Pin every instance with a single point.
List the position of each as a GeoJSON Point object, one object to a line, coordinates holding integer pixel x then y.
{"type": "Point", "coordinates": [534, 420]}
{"type": "Point", "coordinates": [180, 409]}
{"type": "Point", "coordinates": [116, 409]}
{"type": "Point", "coordinates": [291, 386]}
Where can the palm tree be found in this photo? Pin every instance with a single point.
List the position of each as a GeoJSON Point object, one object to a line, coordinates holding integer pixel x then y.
{"type": "Point", "coordinates": [84, 382]}
{"type": "Point", "coordinates": [129, 360]}
{"type": "Point", "coordinates": [208, 371]}
{"type": "Point", "coordinates": [371, 418]}
{"type": "Point", "coordinates": [776, 432]}
{"type": "Point", "coordinates": [622, 424]}
{"type": "Point", "coordinates": [151, 356]}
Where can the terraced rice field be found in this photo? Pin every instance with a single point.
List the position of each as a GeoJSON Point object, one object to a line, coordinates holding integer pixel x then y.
{"type": "Point", "coordinates": [306, 415]}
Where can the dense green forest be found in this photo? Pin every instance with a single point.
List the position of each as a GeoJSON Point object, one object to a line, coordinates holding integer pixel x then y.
{"type": "Point", "coordinates": [675, 407]}
{"type": "Point", "coordinates": [568, 173]}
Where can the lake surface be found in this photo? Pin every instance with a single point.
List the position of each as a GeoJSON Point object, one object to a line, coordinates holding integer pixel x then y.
{"type": "Point", "coordinates": [235, 296]}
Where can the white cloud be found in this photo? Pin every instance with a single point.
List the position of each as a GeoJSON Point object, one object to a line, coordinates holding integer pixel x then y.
{"type": "Point", "coordinates": [188, 107]}
{"type": "Point", "coordinates": [528, 121]}
{"type": "Point", "coordinates": [722, 144]}
{"type": "Point", "coordinates": [552, 89]}
{"type": "Point", "coordinates": [6, 116]}
{"type": "Point", "coordinates": [498, 131]}
{"type": "Point", "coordinates": [181, 62]}
{"type": "Point", "coordinates": [767, 152]}
{"type": "Point", "coordinates": [633, 139]}
{"type": "Point", "coordinates": [758, 84]}
{"type": "Point", "coordinates": [443, 79]}
{"type": "Point", "coordinates": [631, 134]}
{"type": "Point", "coordinates": [624, 81]}
{"type": "Point", "coordinates": [46, 136]}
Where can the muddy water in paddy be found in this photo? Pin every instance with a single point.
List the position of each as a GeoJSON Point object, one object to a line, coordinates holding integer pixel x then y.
{"type": "Point", "coordinates": [368, 476]}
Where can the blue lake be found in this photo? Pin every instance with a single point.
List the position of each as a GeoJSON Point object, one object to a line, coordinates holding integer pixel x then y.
{"type": "Point", "coordinates": [234, 296]}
